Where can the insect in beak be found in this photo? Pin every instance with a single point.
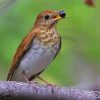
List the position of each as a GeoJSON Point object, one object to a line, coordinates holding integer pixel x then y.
{"type": "Point", "coordinates": [61, 14]}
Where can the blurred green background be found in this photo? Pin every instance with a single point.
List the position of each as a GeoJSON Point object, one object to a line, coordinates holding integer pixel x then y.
{"type": "Point", "coordinates": [78, 63]}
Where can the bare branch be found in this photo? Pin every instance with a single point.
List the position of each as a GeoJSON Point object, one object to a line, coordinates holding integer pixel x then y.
{"type": "Point", "coordinates": [10, 90]}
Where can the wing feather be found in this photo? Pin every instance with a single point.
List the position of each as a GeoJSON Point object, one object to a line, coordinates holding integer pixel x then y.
{"type": "Point", "coordinates": [22, 49]}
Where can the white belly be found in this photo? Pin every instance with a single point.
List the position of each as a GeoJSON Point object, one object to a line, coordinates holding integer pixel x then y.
{"type": "Point", "coordinates": [36, 60]}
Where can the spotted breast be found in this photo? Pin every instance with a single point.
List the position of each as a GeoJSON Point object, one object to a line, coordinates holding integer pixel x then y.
{"type": "Point", "coordinates": [42, 52]}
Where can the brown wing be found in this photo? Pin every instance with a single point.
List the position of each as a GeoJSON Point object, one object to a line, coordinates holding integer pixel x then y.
{"type": "Point", "coordinates": [23, 47]}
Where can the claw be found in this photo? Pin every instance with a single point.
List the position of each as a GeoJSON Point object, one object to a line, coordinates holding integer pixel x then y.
{"type": "Point", "coordinates": [29, 82]}
{"type": "Point", "coordinates": [33, 85]}
{"type": "Point", "coordinates": [47, 84]}
{"type": "Point", "coordinates": [52, 87]}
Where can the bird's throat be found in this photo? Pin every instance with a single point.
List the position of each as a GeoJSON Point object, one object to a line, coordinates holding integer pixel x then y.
{"type": "Point", "coordinates": [49, 37]}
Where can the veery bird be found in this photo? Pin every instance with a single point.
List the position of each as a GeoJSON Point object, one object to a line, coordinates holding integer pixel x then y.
{"type": "Point", "coordinates": [38, 49]}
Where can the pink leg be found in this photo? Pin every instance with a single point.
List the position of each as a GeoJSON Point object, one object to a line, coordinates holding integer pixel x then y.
{"type": "Point", "coordinates": [29, 81]}
{"type": "Point", "coordinates": [26, 78]}
{"type": "Point", "coordinates": [48, 84]}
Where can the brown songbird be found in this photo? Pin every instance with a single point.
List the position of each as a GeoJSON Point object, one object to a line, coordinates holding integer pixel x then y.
{"type": "Point", "coordinates": [38, 49]}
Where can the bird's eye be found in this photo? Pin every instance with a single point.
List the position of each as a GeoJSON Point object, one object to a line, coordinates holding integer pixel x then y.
{"type": "Point", "coordinates": [46, 16]}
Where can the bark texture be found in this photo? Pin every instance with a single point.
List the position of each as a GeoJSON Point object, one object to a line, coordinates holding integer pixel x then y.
{"type": "Point", "coordinates": [10, 90]}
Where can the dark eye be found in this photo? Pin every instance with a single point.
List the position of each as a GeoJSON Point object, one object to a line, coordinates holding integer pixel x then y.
{"type": "Point", "coordinates": [46, 16]}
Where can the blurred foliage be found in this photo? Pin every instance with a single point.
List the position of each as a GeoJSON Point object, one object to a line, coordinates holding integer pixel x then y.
{"type": "Point", "coordinates": [80, 31]}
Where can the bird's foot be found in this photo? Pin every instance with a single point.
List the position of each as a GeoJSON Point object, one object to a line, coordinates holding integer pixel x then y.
{"type": "Point", "coordinates": [30, 82]}
{"type": "Point", "coordinates": [47, 84]}
{"type": "Point", "coordinates": [33, 85]}
{"type": "Point", "coordinates": [52, 87]}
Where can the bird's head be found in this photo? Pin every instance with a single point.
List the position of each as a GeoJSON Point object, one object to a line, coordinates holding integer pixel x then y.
{"type": "Point", "coordinates": [49, 18]}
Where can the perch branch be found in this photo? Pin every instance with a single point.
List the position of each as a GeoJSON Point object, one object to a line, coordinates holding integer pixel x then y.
{"type": "Point", "coordinates": [10, 90]}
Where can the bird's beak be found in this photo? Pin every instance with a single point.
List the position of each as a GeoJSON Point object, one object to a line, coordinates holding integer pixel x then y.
{"type": "Point", "coordinates": [60, 14]}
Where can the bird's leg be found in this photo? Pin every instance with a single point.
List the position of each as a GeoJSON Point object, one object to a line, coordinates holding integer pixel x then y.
{"type": "Point", "coordinates": [48, 84]}
{"type": "Point", "coordinates": [25, 77]}
{"type": "Point", "coordinates": [42, 80]}
{"type": "Point", "coordinates": [29, 81]}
